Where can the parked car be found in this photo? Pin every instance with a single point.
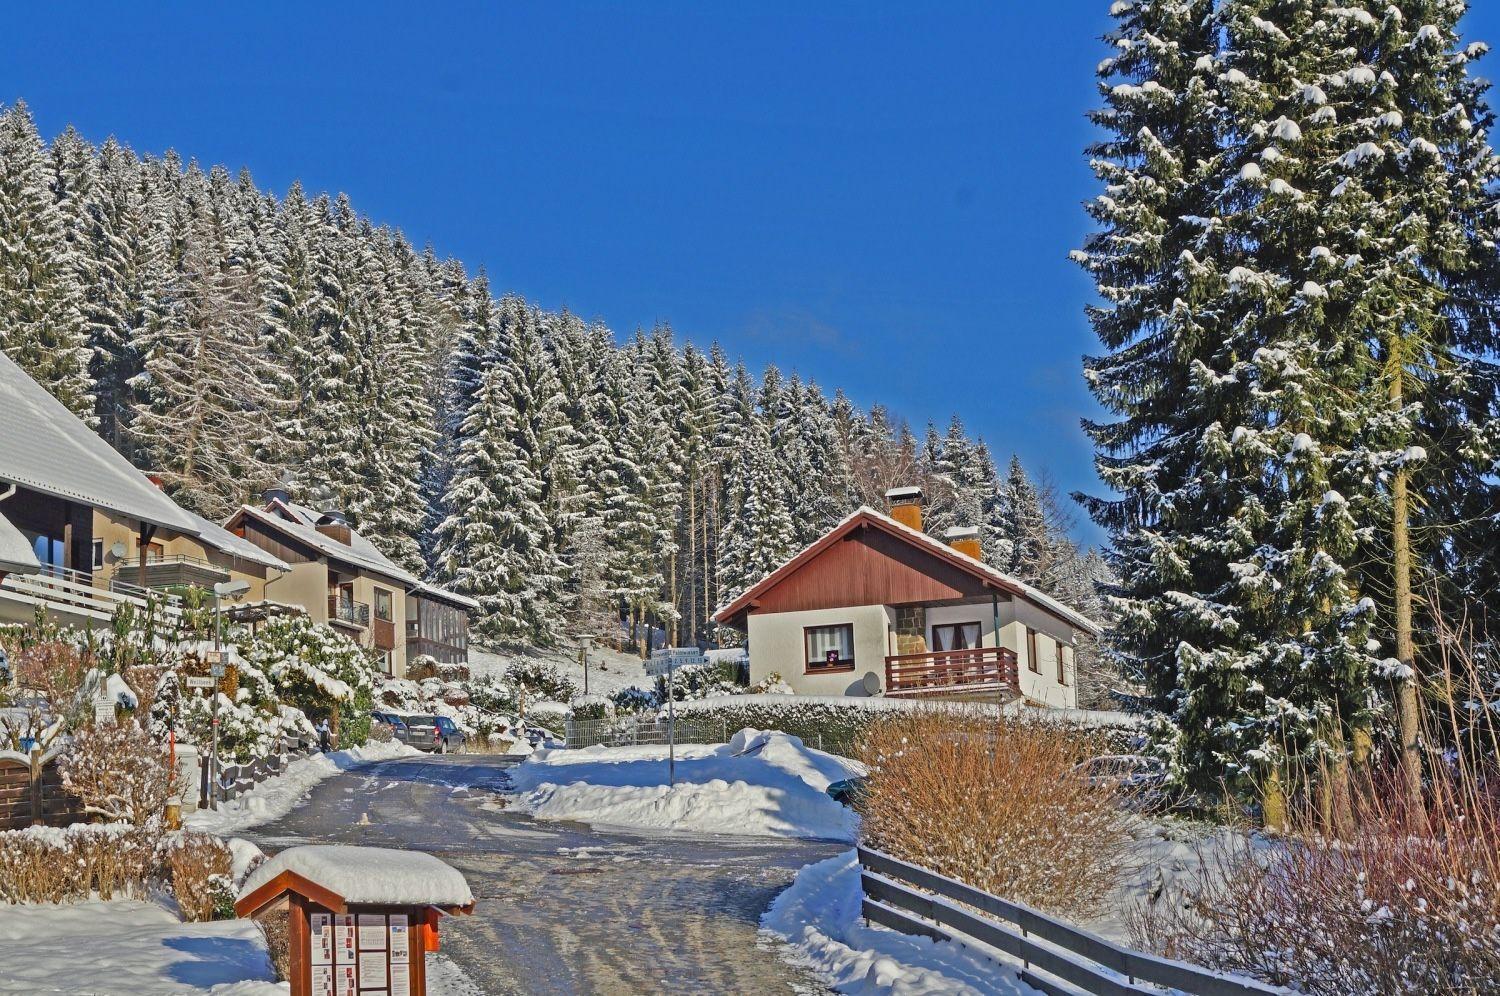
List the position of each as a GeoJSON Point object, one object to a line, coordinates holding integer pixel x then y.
{"type": "Point", "coordinates": [849, 791]}
{"type": "Point", "coordinates": [438, 734]}
{"type": "Point", "coordinates": [393, 722]}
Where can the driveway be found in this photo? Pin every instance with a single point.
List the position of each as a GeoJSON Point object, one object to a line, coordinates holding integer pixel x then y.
{"type": "Point", "coordinates": [563, 908]}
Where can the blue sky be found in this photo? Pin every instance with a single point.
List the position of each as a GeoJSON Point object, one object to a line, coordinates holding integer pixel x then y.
{"type": "Point", "coordinates": [878, 196]}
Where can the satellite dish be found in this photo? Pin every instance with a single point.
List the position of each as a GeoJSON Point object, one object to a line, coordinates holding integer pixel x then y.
{"type": "Point", "coordinates": [871, 683]}
{"type": "Point", "coordinates": [117, 548]}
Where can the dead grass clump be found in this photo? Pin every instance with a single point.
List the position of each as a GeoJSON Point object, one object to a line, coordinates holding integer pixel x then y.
{"type": "Point", "coordinates": [199, 868]}
{"type": "Point", "coordinates": [995, 804]}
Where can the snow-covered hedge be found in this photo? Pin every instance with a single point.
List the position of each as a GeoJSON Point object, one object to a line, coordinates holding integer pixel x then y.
{"type": "Point", "coordinates": [53, 865]}
{"type": "Point", "coordinates": [834, 723]}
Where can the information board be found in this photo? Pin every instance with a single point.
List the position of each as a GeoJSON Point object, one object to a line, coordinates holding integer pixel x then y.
{"type": "Point", "coordinates": [364, 954]}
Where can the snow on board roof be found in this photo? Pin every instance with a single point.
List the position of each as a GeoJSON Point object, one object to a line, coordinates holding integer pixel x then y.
{"type": "Point", "coordinates": [444, 595]}
{"type": "Point", "coordinates": [16, 556]}
{"type": "Point", "coordinates": [45, 447]}
{"type": "Point", "coordinates": [368, 875]}
{"type": "Point", "coordinates": [917, 538]}
{"type": "Point", "coordinates": [300, 523]}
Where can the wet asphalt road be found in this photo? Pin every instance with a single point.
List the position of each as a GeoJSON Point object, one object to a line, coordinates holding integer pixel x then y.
{"type": "Point", "coordinates": [563, 908]}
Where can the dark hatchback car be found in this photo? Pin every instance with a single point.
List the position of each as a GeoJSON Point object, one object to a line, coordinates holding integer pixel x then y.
{"type": "Point", "coordinates": [434, 733]}
{"type": "Point", "coordinates": [396, 724]}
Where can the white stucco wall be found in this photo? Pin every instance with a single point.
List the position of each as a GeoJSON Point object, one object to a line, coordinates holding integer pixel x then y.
{"type": "Point", "coordinates": [1053, 637]}
{"type": "Point", "coordinates": [776, 644]}
{"type": "Point", "coordinates": [947, 615]}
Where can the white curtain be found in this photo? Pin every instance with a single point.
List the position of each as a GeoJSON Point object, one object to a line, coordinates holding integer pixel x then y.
{"type": "Point", "coordinates": [826, 638]}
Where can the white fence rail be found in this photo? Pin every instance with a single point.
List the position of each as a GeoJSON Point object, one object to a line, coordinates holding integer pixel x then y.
{"type": "Point", "coordinates": [73, 593]}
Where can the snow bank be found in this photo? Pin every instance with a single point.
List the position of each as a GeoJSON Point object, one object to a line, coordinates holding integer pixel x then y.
{"type": "Point", "coordinates": [369, 874]}
{"type": "Point", "coordinates": [758, 784]}
{"type": "Point", "coordinates": [278, 796]}
{"type": "Point", "coordinates": [818, 917]}
{"type": "Point", "coordinates": [130, 947]}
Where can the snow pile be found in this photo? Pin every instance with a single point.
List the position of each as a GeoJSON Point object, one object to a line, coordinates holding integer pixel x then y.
{"type": "Point", "coordinates": [278, 796]}
{"type": "Point", "coordinates": [368, 874]}
{"type": "Point", "coordinates": [758, 784]}
{"type": "Point", "coordinates": [818, 917]}
{"type": "Point", "coordinates": [130, 947]}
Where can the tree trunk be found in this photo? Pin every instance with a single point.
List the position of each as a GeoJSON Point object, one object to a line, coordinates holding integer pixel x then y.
{"type": "Point", "coordinates": [1407, 715]}
{"type": "Point", "coordinates": [692, 563]}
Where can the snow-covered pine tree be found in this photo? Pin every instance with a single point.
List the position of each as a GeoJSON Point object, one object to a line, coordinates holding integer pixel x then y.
{"type": "Point", "coordinates": [758, 534]}
{"type": "Point", "coordinates": [203, 410]}
{"type": "Point", "coordinates": [497, 545]}
{"type": "Point", "coordinates": [41, 301]}
{"type": "Point", "coordinates": [1171, 379]}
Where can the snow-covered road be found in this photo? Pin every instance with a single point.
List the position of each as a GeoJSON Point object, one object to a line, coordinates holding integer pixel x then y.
{"type": "Point", "coordinates": [563, 908]}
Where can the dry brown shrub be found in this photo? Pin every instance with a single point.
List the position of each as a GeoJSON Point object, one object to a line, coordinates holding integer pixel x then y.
{"type": "Point", "coordinates": [1407, 900]}
{"type": "Point", "coordinates": [119, 772]}
{"type": "Point", "coordinates": [199, 867]}
{"type": "Point", "coordinates": [994, 803]}
{"type": "Point", "coordinates": [274, 926]}
{"type": "Point", "coordinates": [52, 865]}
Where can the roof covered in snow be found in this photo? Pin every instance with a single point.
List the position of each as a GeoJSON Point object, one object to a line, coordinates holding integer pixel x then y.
{"type": "Point", "coordinates": [865, 515]}
{"type": "Point", "coordinates": [227, 542]}
{"type": "Point", "coordinates": [45, 447]}
{"type": "Point", "coordinates": [444, 595]}
{"type": "Point", "coordinates": [373, 875]}
{"type": "Point", "coordinates": [301, 522]}
{"type": "Point", "coordinates": [16, 556]}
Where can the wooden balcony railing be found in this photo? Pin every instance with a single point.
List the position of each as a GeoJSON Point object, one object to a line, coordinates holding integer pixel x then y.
{"type": "Point", "coordinates": [952, 672]}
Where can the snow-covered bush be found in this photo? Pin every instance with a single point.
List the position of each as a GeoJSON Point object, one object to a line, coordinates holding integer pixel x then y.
{"type": "Point", "coordinates": [994, 802]}
{"type": "Point", "coordinates": [771, 684]}
{"type": "Point", "coordinates": [315, 670]}
{"type": "Point", "coordinates": [548, 715]}
{"type": "Point", "coordinates": [632, 700]}
{"type": "Point", "coordinates": [540, 680]}
{"type": "Point", "coordinates": [592, 707]}
{"type": "Point", "coordinates": [490, 694]}
{"type": "Point", "coordinates": [698, 681]}
{"type": "Point", "coordinates": [119, 773]}
{"type": "Point", "coordinates": [198, 867]}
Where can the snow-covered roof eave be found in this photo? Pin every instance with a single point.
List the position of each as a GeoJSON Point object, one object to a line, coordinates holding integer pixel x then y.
{"type": "Point", "coordinates": [45, 448]}
{"type": "Point", "coordinates": [1016, 587]}
{"type": "Point", "coordinates": [331, 548]}
{"type": "Point", "coordinates": [16, 555]}
{"type": "Point", "coordinates": [445, 595]}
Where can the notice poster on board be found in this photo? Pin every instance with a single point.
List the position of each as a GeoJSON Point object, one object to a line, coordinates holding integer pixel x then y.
{"type": "Point", "coordinates": [347, 982]}
{"type": "Point", "coordinates": [343, 938]}
{"type": "Point", "coordinates": [400, 980]}
{"type": "Point", "coordinates": [371, 932]}
{"type": "Point", "coordinates": [322, 942]}
{"type": "Point", "coordinates": [322, 980]}
{"type": "Point", "coordinates": [400, 939]}
{"type": "Point", "coordinates": [372, 970]}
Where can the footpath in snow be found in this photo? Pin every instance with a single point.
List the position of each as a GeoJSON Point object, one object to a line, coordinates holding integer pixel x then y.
{"type": "Point", "coordinates": [818, 918]}
{"type": "Point", "coordinates": [278, 796]}
{"type": "Point", "coordinates": [758, 784]}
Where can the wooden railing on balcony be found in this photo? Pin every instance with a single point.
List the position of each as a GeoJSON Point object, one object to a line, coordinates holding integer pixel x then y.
{"type": "Point", "coordinates": [61, 589]}
{"type": "Point", "coordinates": [952, 672]}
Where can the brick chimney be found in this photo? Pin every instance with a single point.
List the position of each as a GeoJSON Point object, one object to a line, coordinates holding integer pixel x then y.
{"type": "Point", "coordinates": [965, 539]}
{"type": "Point", "coordinates": [906, 506]}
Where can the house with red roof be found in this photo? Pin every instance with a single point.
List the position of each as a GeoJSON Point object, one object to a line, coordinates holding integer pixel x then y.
{"type": "Point", "coordinates": [878, 607]}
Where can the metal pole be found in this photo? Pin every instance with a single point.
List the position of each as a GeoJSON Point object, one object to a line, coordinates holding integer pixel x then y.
{"type": "Point", "coordinates": [671, 725]}
{"type": "Point", "coordinates": [213, 794]}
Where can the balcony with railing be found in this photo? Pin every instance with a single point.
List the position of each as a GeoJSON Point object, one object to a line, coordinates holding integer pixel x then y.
{"type": "Point", "coordinates": [347, 612]}
{"type": "Point", "coordinates": [175, 570]}
{"type": "Point", "coordinates": [980, 672]}
{"type": "Point", "coordinates": [72, 595]}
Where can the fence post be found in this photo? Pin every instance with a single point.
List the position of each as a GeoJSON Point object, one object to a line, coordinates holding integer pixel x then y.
{"type": "Point", "coordinates": [36, 786]}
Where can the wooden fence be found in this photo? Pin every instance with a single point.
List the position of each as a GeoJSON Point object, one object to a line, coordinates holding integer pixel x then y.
{"type": "Point", "coordinates": [1054, 954]}
{"type": "Point", "coordinates": [31, 792]}
{"type": "Point", "coordinates": [237, 779]}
